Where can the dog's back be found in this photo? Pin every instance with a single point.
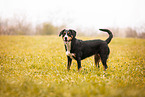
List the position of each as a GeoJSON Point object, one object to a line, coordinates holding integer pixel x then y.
{"type": "Point", "coordinates": [88, 48]}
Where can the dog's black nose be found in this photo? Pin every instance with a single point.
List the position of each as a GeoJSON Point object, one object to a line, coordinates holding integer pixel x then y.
{"type": "Point", "coordinates": [65, 38]}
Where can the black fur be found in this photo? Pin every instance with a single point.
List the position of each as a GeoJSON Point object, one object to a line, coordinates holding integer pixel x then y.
{"type": "Point", "coordinates": [83, 49]}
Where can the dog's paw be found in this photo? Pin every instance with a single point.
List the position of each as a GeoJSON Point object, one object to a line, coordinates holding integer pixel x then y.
{"type": "Point", "coordinates": [67, 53]}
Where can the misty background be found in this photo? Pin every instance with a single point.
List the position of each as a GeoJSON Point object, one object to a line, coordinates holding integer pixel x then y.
{"type": "Point", "coordinates": [125, 18]}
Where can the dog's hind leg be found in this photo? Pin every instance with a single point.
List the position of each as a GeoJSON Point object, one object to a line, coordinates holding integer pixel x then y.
{"type": "Point", "coordinates": [104, 61]}
{"type": "Point", "coordinates": [69, 61]}
{"type": "Point", "coordinates": [104, 53]}
{"type": "Point", "coordinates": [97, 60]}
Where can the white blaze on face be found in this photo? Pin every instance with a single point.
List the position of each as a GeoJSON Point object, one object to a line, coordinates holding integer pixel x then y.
{"type": "Point", "coordinates": [65, 36]}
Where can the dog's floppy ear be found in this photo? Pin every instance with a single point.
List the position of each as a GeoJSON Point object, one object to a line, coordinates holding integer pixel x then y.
{"type": "Point", "coordinates": [61, 32]}
{"type": "Point", "coordinates": [73, 32]}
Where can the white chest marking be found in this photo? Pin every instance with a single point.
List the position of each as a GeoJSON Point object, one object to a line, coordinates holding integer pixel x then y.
{"type": "Point", "coordinates": [68, 46]}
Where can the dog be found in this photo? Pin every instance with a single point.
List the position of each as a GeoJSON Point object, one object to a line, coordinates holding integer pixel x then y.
{"type": "Point", "coordinates": [78, 49]}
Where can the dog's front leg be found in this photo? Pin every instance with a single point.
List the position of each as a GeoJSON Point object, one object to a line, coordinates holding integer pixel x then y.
{"type": "Point", "coordinates": [79, 64]}
{"type": "Point", "coordinates": [69, 60]}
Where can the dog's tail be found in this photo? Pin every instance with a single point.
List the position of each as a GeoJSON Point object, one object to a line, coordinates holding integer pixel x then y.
{"type": "Point", "coordinates": [110, 35]}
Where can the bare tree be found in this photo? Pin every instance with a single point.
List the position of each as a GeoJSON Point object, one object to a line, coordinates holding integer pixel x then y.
{"type": "Point", "coordinates": [131, 33]}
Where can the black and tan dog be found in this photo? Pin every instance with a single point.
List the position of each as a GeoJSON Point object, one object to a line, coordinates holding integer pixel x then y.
{"type": "Point", "coordinates": [79, 50]}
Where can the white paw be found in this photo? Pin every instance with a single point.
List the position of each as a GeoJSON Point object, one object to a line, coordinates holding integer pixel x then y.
{"type": "Point", "coordinates": [67, 53]}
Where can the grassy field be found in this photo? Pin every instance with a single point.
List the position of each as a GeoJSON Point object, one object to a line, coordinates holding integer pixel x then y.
{"type": "Point", "coordinates": [35, 66]}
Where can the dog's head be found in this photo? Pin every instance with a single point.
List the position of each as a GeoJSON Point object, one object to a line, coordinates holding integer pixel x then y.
{"type": "Point", "coordinates": [67, 35]}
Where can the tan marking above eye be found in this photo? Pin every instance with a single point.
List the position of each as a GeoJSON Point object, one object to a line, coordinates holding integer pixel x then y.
{"type": "Point", "coordinates": [68, 32]}
{"type": "Point", "coordinates": [64, 32]}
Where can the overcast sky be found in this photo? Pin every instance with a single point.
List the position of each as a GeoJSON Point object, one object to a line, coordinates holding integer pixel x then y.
{"type": "Point", "coordinates": [78, 13]}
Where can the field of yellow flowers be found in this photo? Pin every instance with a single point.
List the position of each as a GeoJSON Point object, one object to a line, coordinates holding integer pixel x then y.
{"type": "Point", "coordinates": [35, 66]}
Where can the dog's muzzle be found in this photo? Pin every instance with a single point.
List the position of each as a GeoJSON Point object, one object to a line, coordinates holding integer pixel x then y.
{"type": "Point", "coordinates": [65, 39]}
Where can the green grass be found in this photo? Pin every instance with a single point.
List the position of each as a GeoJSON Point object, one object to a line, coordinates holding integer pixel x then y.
{"type": "Point", "coordinates": [35, 66]}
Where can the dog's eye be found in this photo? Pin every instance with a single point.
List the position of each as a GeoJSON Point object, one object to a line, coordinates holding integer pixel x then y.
{"type": "Point", "coordinates": [64, 32]}
{"type": "Point", "coordinates": [68, 33]}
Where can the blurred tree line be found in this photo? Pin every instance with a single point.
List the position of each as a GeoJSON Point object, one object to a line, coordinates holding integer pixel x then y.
{"type": "Point", "coordinates": [14, 26]}
{"type": "Point", "coordinates": [129, 32]}
{"type": "Point", "coordinates": [46, 29]}
{"type": "Point", "coordinates": [20, 26]}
